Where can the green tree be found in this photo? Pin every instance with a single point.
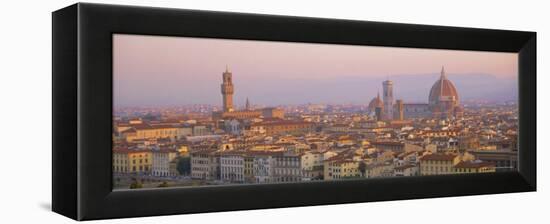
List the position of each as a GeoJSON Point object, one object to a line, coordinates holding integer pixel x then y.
{"type": "Point", "coordinates": [184, 165]}
{"type": "Point", "coordinates": [163, 184]}
{"type": "Point", "coordinates": [136, 185]}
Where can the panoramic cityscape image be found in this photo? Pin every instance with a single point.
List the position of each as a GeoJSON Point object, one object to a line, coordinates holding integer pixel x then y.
{"type": "Point", "coordinates": [192, 112]}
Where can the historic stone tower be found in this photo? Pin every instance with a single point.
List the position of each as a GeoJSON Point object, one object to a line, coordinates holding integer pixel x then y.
{"type": "Point", "coordinates": [227, 91]}
{"type": "Point", "coordinates": [399, 110]}
{"type": "Point", "coordinates": [247, 106]}
{"type": "Point", "coordinates": [388, 99]}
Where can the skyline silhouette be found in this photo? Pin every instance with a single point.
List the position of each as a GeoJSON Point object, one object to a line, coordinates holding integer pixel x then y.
{"type": "Point", "coordinates": [152, 70]}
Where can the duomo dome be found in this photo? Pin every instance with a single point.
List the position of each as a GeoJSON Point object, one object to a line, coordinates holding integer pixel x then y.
{"type": "Point", "coordinates": [443, 90]}
{"type": "Point", "coordinates": [376, 102]}
{"type": "Point", "coordinates": [443, 96]}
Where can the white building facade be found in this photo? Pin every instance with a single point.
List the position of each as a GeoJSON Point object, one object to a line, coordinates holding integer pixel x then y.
{"type": "Point", "coordinates": [232, 168]}
{"type": "Point", "coordinates": [161, 162]}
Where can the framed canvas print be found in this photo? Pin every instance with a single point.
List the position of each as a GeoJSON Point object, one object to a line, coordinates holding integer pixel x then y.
{"type": "Point", "coordinates": [168, 111]}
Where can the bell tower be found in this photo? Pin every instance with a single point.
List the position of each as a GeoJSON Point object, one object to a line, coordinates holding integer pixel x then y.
{"type": "Point", "coordinates": [227, 90]}
{"type": "Point", "coordinates": [387, 97]}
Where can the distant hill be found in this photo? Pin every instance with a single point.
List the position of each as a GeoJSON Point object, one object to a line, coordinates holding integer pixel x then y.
{"type": "Point", "coordinates": [410, 88]}
{"type": "Point", "coordinates": [470, 87]}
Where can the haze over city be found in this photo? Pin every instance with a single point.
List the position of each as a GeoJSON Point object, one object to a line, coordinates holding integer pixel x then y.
{"type": "Point", "coordinates": [159, 71]}
{"type": "Point", "coordinates": [195, 112]}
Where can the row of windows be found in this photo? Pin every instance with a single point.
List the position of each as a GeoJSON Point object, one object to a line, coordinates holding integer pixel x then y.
{"type": "Point", "coordinates": [287, 163]}
{"type": "Point", "coordinates": [232, 169]}
{"type": "Point", "coordinates": [287, 172]}
{"type": "Point", "coordinates": [160, 168]}
{"type": "Point", "coordinates": [121, 161]}
{"type": "Point", "coordinates": [121, 169]}
{"type": "Point", "coordinates": [287, 179]}
{"type": "Point", "coordinates": [160, 173]}
{"type": "Point", "coordinates": [134, 169]}
{"type": "Point", "coordinates": [231, 161]}
{"type": "Point", "coordinates": [205, 169]}
{"type": "Point", "coordinates": [161, 132]}
{"type": "Point", "coordinates": [195, 161]}
{"type": "Point", "coordinates": [133, 161]}
{"type": "Point", "coordinates": [231, 176]}
{"type": "Point", "coordinates": [140, 161]}
{"type": "Point", "coordinates": [432, 168]}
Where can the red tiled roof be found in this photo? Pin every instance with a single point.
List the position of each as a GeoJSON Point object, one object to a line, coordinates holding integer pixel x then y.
{"type": "Point", "coordinates": [130, 130]}
{"type": "Point", "coordinates": [128, 150]}
{"type": "Point", "coordinates": [404, 167]}
{"type": "Point", "coordinates": [387, 143]}
{"type": "Point", "coordinates": [284, 122]}
{"type": "Point", "coordinates": [439, 157]}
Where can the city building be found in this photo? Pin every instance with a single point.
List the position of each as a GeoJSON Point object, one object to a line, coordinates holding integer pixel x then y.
{"type": "Point", "coordinates": [248, 144]}
{"type": "Point", "coordinates": [343, 165]}
{"type": "Point", "coordinates": [132, 132]}
{"type": "Point", "coordinates": [476, 166]}
{"type": "Point", "coordinates": [200, 130]}
{"type": "Point", "coordinates": [340, 168]}
{"type": "Point", "coordinates": [504, 160]}
{"type": "Point", "coordinates": [311, 160]}
{"type": "Point", "coordinates": [383, 169]}
{"type": "Point", "coordinates": [438, 164]}
{"type": "Point", "coordinates": [388, 145]}
{"type": "Point", "coordinates": [134, 161]}
{"type": "Point", "coordinates": [286, 168]}
{"type": "Point", "coordinates": [204, 165]}
{"type": "Point", "coordinates": [173, 167]}
{"type": "Point", "coordinates": [399, 112]}
{"type": "Point", "coordinates": [416, 110]}
{"type": "Point", "coordinates": [233, 126]}
{"type": "Point", "coordinates": [249, 168]}
{"type": "Point", "coordinates": [283, 127]}
{"type": "Point", "coordinates": [232, 167]}
{"type": "Point", "coordinates": [263, 166]}
{"type": "Point", "coordinates": [161, 161]}
{"type": "Point", "coordinates": [406, 170]}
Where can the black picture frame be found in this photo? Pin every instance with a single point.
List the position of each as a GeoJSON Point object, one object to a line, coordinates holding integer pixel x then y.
{"type": "Point", "coordinates": [82, 110]}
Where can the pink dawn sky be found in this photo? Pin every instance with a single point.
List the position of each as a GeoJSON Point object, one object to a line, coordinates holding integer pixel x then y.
{"type": "Point", "coordinates": [155, 70]}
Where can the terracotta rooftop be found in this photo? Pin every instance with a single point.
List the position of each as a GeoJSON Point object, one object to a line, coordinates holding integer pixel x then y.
{"type": "Point", "coordinates": [281, 122]}
{"type": "Point", "coordinates": [404, 167]}
{"type": "Point", "coordinates": [128, 150]}
{"type": "Point", "coordinates": [439, 157]}
{"type": "Point", "coordinates": [387, 143]}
